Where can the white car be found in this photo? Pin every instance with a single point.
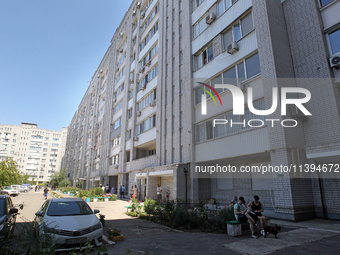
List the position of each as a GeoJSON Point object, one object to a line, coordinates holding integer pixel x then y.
{"type": "Point", "coordinates": [70, 221]}
{"type": "Point", "coordinates": [20, 188]}
{"type": "Point", "coordinates": [11, 192]}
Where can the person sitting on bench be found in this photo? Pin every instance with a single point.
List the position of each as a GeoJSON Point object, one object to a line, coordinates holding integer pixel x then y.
{"type": "Point", "coordinates": [240, 212]}
{"type": "Point", "coordinates": [255, 213]}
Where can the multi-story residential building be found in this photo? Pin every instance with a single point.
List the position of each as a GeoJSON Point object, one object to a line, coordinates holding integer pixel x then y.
{"type": "Point", "coordinates": [37, 151]}
{"type": "Point", "coordinates": [142, 120]}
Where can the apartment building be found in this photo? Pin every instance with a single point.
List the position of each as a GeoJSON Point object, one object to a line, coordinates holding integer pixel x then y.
{"type": "Point", "coordinates": [148, 114]}
{"type": "Point", "coordinates": [37, 151]}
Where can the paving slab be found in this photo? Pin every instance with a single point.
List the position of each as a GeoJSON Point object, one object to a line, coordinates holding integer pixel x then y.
{"type": "Point", "coordinates": [269, 245]}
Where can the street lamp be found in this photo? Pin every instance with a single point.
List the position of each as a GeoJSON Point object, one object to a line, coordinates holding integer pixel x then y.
{"type": "Point", "coordinates": [185, 170]}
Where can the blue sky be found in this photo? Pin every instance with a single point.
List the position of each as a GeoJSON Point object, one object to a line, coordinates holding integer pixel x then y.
{"type": "Point", "coordinates": [49, 49]}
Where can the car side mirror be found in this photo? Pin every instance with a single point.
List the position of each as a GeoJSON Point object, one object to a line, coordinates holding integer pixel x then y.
{"type": "Point", "coordinates": [96, 211]}
{"type": "Point", "coordinates": [39, 214]}
{"type": "Point", "coordinates": [13, 210]}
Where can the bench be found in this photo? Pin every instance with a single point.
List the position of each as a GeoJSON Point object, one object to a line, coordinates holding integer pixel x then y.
{"type": "Point", "coordinates": [234, 227]}
{"type": "Point", "coordinates": [127, 208]}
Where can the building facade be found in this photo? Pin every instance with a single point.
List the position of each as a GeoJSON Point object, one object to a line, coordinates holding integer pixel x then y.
{"type": "Point", "coordinates": [37, 151]}
{"type": "Point", "coordinates": [147, 117]}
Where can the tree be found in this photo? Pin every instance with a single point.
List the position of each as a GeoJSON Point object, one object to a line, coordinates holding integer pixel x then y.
{"type": "Point", "coordinates": [59, 179]}
{"type": "Point", "coordinates": [9, 173]}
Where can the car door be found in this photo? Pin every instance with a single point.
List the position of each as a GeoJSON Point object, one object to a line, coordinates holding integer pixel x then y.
{"type": "Point", "coordinates": [39, 219]}
{"type": "Point", "coordinates": [11, 217]}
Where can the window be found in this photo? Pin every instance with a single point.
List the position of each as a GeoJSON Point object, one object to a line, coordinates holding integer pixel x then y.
{"type": "Point", "coordinates": [114, 160]}
{"type": "Point", "coordinates": [206, 131]}
{"type": "Point", "coordinates": [152, 152]}
{"type": "Point", "coordinates": [204, 57]}
{"type": "Point", "coordinates": [248, 68]}
{"type": "Point", "coordinates": [149, 18]}
{"type": "Point", "coordinates": [130, 95]}
{"type": "Point", "coordinates": [128, 134]}
{"type": "Point", "coordinates": [334, 39]}
{"type": "Point", "coordinates": [180, 30]}
{"type": "Point", "coordinates": [147, 78]}
{"type": "Point", "coordinates": [325, 2]}
{"type": "Point", "coordinates": [117, 123]}
{"type": "Point", "coordinates": [120, 74]}
{"type": "Point", "coordinates": [148, 37]}
{"type": "Point", "coordinates": [121, 60]}
{"type": "Point", "coordinates": [181, 119]}
{"type": "Point", "coordinates": [180, 5]}
{"type": "Point", "coordinates": [199, 27]}
{"type": "Point", "coordinates": [197, 3]}
{"type": "Point", "coordinates": [151, 53]}
{"type": "Point", "coordinates": [115, 142]}
{"type": "Point", "coordinates": [117, 107]}
{"type": "Point", "coordinates": [129, 114]}
{"type": "Point", "coordinates": [145, 101]}
{"type": "Point", "coordinates": [118, 90]}
{"type": "Point", "coordinates": [253, 66]}
{"type": "Point", "coordinates": [181, 87]}
{"type": "Point", "coordinates": [235, 33]}
{"type": "Point", "coordinates": [55, 145]}
{"type": "Point", "coordinates": [146, 125]}
{"type": "Point", "coordinates": [181, 57]}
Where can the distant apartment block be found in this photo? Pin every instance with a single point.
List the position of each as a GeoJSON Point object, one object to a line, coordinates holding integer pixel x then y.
{"type": "Point", "coordinates": [140, 122]}
{"type": "Point", "coordinates": [37, 151]}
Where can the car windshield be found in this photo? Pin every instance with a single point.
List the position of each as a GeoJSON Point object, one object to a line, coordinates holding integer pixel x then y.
{"type": "Point", "coordinates": [8, 188]}
{"type": "Point", "coordinates": [2, 207]}
{"type": "Point", "coordinates": [69, 208]}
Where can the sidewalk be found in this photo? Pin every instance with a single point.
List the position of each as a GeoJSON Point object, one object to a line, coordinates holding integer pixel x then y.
{"type": "Point", "coordinates": [143, 237]}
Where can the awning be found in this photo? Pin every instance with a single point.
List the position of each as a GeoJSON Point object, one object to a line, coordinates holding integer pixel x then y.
{"type": "Point", "coordinates": [141, 175]}
{"type": "Point", "coordinates": [162, 173]}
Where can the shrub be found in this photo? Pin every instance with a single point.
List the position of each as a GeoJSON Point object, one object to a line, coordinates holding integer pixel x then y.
{"type": "Point", "coordinates": [98, 192]}
{"type": "Point", "coordinates": [132, 214]}
{"type": "Point", "coordinates": [224, 215]}
{"type": "Point", "coordinates": [150, 206]}
{"type": "Point", "coordinates": [136, 206]}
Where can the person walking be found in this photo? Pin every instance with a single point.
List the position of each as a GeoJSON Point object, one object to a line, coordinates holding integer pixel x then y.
{"type": "Point", "coordinates": [36, 187]}
{"type": "Point", "coordinates": [45, 192]}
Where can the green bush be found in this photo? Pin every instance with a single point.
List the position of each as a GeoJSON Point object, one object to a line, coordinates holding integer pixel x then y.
{"type": "Point", "coordinates": [150, 206]}
{"type": "Point", "coordinates": [136, 206]}
{"type": "Point", "coordinates": [132, 214]}
{"type": "Point", "coordinates": [222, 216]}
{"type": "Point", "coordinates": [98, 192]}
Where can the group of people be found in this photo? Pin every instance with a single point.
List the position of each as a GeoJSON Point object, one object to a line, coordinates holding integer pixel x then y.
{"type": "Point", "coordinates": [252, 213]}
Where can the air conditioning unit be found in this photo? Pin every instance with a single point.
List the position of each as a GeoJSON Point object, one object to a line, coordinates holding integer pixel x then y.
{"type": "Point", "coordinates": [138, 4]}
{"type": "Point", "coordinates": [210, 18]}
{"type": "Point", "coordinates": [116, 166]}
{"type": "Point", "coordinates": [117, 69]}
{"type": "Point", "coordinates": [101, 71]}
{"type": "Point", "coordinates": [141, 70]}
{"type": "Point", "coordinates": [335, 60]}
{"type": "Point", "coordinates": [148, 63]}
{"type": "Point", "coordinates": [131, 81]}
{"type": "Point", "coordinates": [138, 113]}
{"type": "Point", "coordinates": [121, 34]}
{"type": "Point", "coordinates": [114, 100]}
{"type": "Point", "coordinates": [134, 13]}
{"type": "Point", "coordinates": [153, 103]}
{"type": "Point", "coordinates": [232, 48]}
{"type": "Point", "coordinates": [136, 138]}
{"type": "Point", "coordinates": [143, 87]}
{"type": "Point", "coordinates": [103, 98]}
{"type": "Point", "coordinates": [98, 76]}
{"type": "Point", "coordinates": [121, 51]}
{"type": "Point", "coordinates": [142, 15]}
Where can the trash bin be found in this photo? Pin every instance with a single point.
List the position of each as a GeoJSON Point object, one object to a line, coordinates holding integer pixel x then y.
{"type": "Point", "coordinates": [88, 199]}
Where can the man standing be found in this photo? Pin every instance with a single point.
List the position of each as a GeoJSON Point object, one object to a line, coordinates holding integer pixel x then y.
{"type": "Point", "coordinates": [45, 192]}
{"type": "Point", "coordinates": [122, 189]}
{"type": "Point", "coordinates": [159, 192]}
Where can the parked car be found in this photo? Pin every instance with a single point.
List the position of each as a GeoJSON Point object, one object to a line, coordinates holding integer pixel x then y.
{"type": "Point", "coordinates": [70, 221]}
{"type": "Point", "coordinates": [8, 216]}
{"type": "Point", "coordinates": [11, 192]}
{"type": "Point", "coordinates": [20, 188]}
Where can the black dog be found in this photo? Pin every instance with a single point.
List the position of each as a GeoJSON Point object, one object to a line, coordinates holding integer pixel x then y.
{"type": "Point", "coordinates": [272, 230]}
